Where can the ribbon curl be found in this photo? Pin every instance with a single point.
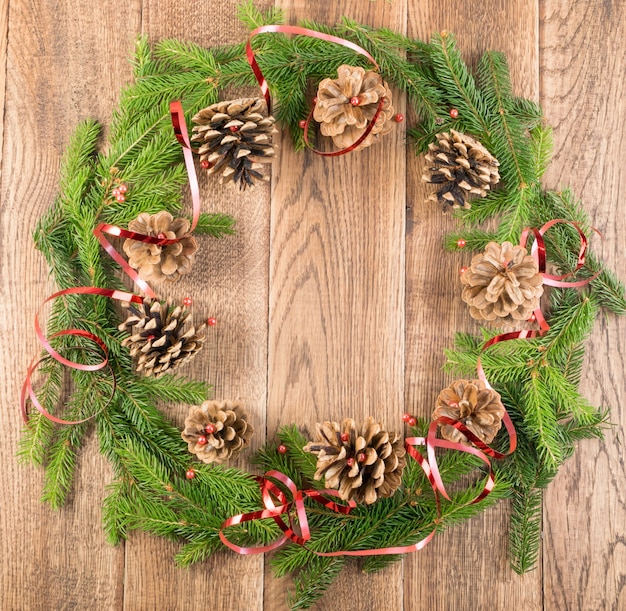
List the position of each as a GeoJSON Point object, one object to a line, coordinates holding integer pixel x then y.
{"type": "Point", "coordinates": [277, 505]}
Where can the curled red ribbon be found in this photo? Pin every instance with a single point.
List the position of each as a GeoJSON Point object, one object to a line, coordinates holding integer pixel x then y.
{"type": "Point", "coordinates": [277, 505]}
{"type": "Point", "coordinates": [180, 131]}
{"type": "Point", "coordinates": [292, 29]}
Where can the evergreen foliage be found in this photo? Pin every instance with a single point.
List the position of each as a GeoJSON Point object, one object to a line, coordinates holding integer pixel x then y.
{"type": "Point", "coordinates": [537, 378]}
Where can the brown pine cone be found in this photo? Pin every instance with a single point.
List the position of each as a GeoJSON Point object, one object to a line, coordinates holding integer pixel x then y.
{"type": "Point", "coordinates": [502, 285]}
{"type": "Point", "coordinates": [157, 263]}
{"type": "Point", "coordinates": [235, 139]}
{"type": "Point", "coordinates": [347, 104]}
{"type": "Point", "coordinates": [217, 431]}
{"type": "Point", "coordinates": [462, 166]}
{"type": "Point", "coordinates": [159, 342]}
{"type": "Point", "coordinates": [479, 408]}
{"type": "Point", "coordinates": [364, 465]}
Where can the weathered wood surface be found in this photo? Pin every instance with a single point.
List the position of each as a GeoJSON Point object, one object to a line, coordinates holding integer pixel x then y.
{"type": "Point", "coordinates": [334, 298]}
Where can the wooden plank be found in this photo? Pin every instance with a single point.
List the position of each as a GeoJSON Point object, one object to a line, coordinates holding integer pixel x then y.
{"type": "Point", "coordinates": [230, 282]}
{"type": "Point", "coordinates": [66, 61]}
{"type": "Point", "coordinates": [337, 291]}
{"type": "Point", "coordinates": [583, 62]}
{"type": "Point", "coordinates": [466, 567]}
{"type": "Point", "coordinates": [4, 26]}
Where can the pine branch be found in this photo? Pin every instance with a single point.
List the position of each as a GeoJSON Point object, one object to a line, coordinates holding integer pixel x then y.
{"type": "Point", "coordinates": [216, 225]}
{"type": "Point", "coordinates": [525, 533]}
{"type": "Point", "coordinates": [507, 137]}
{"type": "Point", "coordinates": [312, 582]}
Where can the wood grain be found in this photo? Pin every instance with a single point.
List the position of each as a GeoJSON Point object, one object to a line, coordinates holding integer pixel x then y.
{"type": "Point", "coordinates": [582, 91]}
{"type": "Point", "coordinates": [466, 567]}
{"type": "Point", "coordinates": [337, 291]}
{"type": "Point", "coordinates": [56, 76]}
{"type": "Point", "coordinates": [230, 282]}
{"type": "Point", "coordinates": [334, 299]}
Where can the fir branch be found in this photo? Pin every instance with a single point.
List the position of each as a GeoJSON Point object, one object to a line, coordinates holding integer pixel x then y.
{"type": "Point", "coordinates": [541, 142]}
{"type": "Point", "coordinates": [455, 78]}
{"type": "Point", "coordinates": [525, 532]}
{"type": "Point", "coordinates": [216, 225]}
{"type": "Point", "coordinates": [252, 17]}
{"type": "Point", "coordinates": [506, 135]}
{"type": "Point", "coordinates": [174, 389]}
{"type": "Point", "coordinates": [312, 582]}
{"type": "Point", "coordinates": [540, 420]}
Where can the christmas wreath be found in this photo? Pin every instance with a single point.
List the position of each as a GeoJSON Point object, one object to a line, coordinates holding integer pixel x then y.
{"type": "Point", "coordinates": [510, 418]}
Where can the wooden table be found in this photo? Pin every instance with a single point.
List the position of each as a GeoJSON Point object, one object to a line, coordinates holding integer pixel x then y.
{"type": "Point", "coordinates": [335, 298]}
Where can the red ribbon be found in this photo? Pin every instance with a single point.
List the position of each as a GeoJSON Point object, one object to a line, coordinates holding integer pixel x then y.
{"type": "Point", "coordinates": [292, 29]}
{"type": "Point", "coordinates": [276, 505]}
{"type": "Point", "coordinates": [180, 131]}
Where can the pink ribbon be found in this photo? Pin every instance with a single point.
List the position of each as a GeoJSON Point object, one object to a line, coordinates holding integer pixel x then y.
{"type": "Point", "coordinates": [27, 388]}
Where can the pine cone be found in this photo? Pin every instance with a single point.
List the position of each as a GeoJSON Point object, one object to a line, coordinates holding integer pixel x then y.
{"type": "Point", "coordinates": [462, 166]}
{"type": "Point", "coordinates": [502, 285]}
{"type": "Point", "coordinates": [479, 408]}
{"type": "Point", "coordinates": [363, 465]}
{"type": "Point", "coordinates": [158, 340]}
{"type": "Point", "coordinates": [344, 121]}
{"type": "Point", "coordinates": [217, 431]}
{"type": "Point", "coordinates": [157, 263]}
{"type": "Point", "coordinates": [235, 139]}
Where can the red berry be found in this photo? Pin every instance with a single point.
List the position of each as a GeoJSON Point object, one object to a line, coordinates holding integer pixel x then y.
{"type": "Point", "coordinates": [399, 118]}
{"type": "Point", "coordinates": [453, 404]}
{"type": "Point", "coordinates": [211, 321]}
{"type": "Point", "coordinates": [205, 164]}
{"type": "Point", "coordinates": [460, 243]}
{"type": "Point", "coordinates": [361, 457]}
{"type": "Point", "coordinates": [454, 113]}
{"type": "Point", "coordinates": [412, 421]}
{"type": "Point", "coordinates": [406, 417]}
{"type": "Point", "coordinates": [350, 462]}
{"type": "Point", "coordinates": [191, 473]}
{"type": "Point", "coordinates": [161, 236]}
{"type": "Point", "coordinates": [120, 198]}
{"type": "Point", "coordinates": [463, 270]}
{"type": "Point", "coordinates": [302, 124]}
{"type": "Point", "coordinates": [234, 128]}
{"type": "Point", "coordinates": [187, 301]}
{"type": "Point", "coordinates": [345, 437]}
{"type": "Point", "coordinates": [282, 449]}
{"type": "Point", "coordinates": [122, 188]}
{"type": "Point", "coordinates": [116, 192]}
{"type": "Point", "coordinates": [202, 440]}
{"type": "Point", "coordinates": [355, 101]}
{"type": "Point", "coordinates": [315, 100]}
{"type": "Point", "coordinates": [532, 318]}
{"type": "Point", "coordinates": [210, 428]}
